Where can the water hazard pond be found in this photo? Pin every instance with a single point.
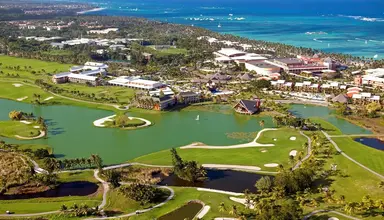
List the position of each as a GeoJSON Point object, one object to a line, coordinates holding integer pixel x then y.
{"type": "Point", "coordinates": [227, 180]}
{"type": "Point", "coordinates": [71, 132]}
{"type": "Point", "coordinates": [371, 142]}
{"type": "Point", "coordinates": [80, 188]}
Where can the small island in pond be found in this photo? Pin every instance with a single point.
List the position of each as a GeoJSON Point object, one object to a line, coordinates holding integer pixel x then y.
{"type": "Point", "coordinates": [23, 126]}
{"type": "Point", "coordinates": [122, 121]}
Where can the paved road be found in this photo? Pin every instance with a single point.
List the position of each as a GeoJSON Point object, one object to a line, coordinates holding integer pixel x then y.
{"type": "Point", "coordinates": [309, 151]}
{"type": "Point", "coordinates": [328, 211]}
{"type": "Point", "coordinates": [348, 157]}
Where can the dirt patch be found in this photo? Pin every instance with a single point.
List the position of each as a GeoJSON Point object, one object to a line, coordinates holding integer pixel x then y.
{"type": "Point", "coordinates": [146, 175]}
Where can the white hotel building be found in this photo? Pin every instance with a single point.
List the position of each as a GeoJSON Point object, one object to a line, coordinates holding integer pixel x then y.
{"type": "Point", "coordinates": [136, 83]}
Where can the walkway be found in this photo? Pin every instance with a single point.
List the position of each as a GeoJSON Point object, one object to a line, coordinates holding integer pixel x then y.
{"type": "Point", "coordinates": [42, 134]}
{"type": "Point", "coordinates": [250, 144]}
{"type": "Point", "coordinates": [330, 211]}
{"type": "Point", "coordinates": [309, 151]}
{"type": "Point", "coordinates": [348, 157]}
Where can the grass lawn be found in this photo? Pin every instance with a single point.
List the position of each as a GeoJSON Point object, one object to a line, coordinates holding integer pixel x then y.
{"type": "Point", "coordinates": [242, 156]}
{"type": "Point", "coordinates": [327, 127]}
{"type": "Point", "coordinates": [183, 195]}
{"type": "Point", "coordinates": [52, 204]}
{"type": "Point", "coordinates": [123, 94]}
{"type": "Point", "coordinates": [9, 91]}
{"type": "Point", "coordinates": [370, 157]}
{"type": "Point", "coordinates": [11, 128]}
{"type": "Point", "coordinates": [130, 124]}
{"type": "Point", "coordinates": [27, 66]}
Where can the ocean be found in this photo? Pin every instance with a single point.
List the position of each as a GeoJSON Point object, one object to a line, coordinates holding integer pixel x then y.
{"type": "Point", "coordinates": [346, 26]}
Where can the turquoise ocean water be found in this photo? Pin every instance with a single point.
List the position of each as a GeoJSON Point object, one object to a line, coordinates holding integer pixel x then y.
{"type": "Point", "coordinates": [347, 26]}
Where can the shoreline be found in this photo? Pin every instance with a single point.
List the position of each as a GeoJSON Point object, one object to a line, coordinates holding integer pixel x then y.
{"type": "Point", "coordinates": [90, 10]}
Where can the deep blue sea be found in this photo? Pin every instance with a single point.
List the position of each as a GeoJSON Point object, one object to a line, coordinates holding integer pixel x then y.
{"type": "Point", "coordinates": [347, 26]}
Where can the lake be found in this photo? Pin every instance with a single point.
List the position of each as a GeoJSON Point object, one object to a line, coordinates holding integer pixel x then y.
{"type": "Point", "coordinates": [71, 132]}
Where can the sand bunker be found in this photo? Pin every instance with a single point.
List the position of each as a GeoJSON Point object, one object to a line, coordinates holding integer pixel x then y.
{"type": "Point", "coordinates": [293, 153]}
{"type": "Point", "coordinates": [21, 99]}
{"type": "Point", "coordinates": [274, 139]}
{"type": "Point", "coordinates": [271, 165]}
{"type": "Point", "coordinates": [49, 98]}
{"type": "Point", "coordinates": [264, 151]}
{"type": "Point", "coordinates": [17, 85]}
{"type": "Point", "coordinates": [333, 218]}
{"type": "Point", "coordinates": [26, 122]}
{"type": "Point", "coordinates": [292, 138]}
{"type": "Point", "coordinates": [36, 126]}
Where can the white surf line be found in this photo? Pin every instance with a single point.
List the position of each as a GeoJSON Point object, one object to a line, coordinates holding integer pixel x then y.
{"type": "Point", "coordinates": [49, 98]}
{"type": "Point", "coordinates": [100, 122]}
{"type": "Point", "coordinates": [246, 145]}
{"type": "Point", "coordinates": [22, 98]}
{"type": "Point", "coordinates": [220, 191]}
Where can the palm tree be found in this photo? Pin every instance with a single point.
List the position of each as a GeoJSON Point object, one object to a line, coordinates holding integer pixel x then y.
{"type": "Point", "coordinates": [222, 207]}
{"type": "Point", "coordinates": [379, 204]}
{"type": "Point", "coordinates": [350, 207]}
{"type": "Point", "coordinates": [341, 199]}
{"type": "Point", "coordinates": [233, 210]}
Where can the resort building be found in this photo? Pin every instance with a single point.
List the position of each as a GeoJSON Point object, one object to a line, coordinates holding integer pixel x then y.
{"type": "Point", "coordinates": [372, 77]}
{"type": "Point", "coordinates": [263, 68]}
{"type": "Point", "coordinates": [247, 107]}
{"type": "Point", "coordinates": [188, 97]}
{"type": "Point", "coordinates": [136, 82]}
{"type": "Point", "coordinates": [156, 103]}
{"type": "Point", "coordinates": [87, 74]}
{"type": "Point", "coordinates": [228, 55]}
{"type": "Point", "coordinates": [104, 31]}
{"type": "Point", "coordinates": [297, 65]}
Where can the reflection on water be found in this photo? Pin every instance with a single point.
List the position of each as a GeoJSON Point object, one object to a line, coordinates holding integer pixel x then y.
{"type": "Point", "coordinates": [80, 188]}
{"type": "Point", "coordinates": [371, 142]}
{"type": "Point", "coordinates": [228, 180]}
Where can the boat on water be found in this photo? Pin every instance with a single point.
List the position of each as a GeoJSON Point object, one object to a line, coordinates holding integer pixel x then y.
{"type": "Point", "coordinates": [376, 56]}
{"type": "Point", "coordinates": [219, 26]}
{"type": "Point", "coordinates": [198, 117]}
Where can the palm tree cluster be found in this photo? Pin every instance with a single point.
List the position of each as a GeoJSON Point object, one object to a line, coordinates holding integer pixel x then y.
{"type": "Point", "coordinates": [367, 206]}
{"type": "Point", "coordinates": [141, 193]}
{"type": "Point", "coordinates": [187, 170]}
{"type": "Point", "coordinates": [81, 210]}
{"type": "Point", "coordinates": [52, 164]}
